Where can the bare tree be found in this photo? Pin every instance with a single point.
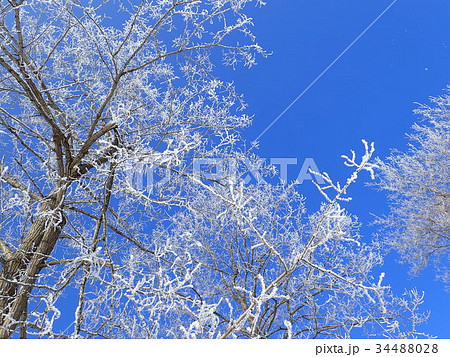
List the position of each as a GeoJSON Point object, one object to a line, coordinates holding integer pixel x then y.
{"type": "Point", "coordinates": [80, 98]}
{"type": "Point", "coordinates": [418, 182]}
{"type": "Point", "coordinates": [85, 106]}
{"type": "Point", "coordinates": [272, 270]}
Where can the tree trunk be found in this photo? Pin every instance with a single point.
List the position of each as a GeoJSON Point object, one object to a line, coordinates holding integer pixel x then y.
{"type": "Point", "coordinates": [20, 272]}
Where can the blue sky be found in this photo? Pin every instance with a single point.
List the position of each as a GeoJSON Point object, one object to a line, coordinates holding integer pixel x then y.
{"type": "Point", "coordinates": [369, 93]}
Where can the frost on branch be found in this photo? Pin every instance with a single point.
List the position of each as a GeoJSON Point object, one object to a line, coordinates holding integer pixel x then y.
{"type": "Point", "coordinates": [285, 273]}
{"type": "Point", "coordinates": [341, 190]}
{"type": "Point", "coordinates": [418, 185]}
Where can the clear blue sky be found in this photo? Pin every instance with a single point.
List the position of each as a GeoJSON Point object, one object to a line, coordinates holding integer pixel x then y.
{"type": "Point", "coordinates": [369, 93]}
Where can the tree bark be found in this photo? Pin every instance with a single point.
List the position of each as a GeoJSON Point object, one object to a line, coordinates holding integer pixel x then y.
{"type": "Point", "coordinates": [20, 272]}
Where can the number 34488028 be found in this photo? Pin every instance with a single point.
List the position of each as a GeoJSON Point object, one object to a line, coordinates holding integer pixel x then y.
{"type": "Point", "coordinates": [424, 348]}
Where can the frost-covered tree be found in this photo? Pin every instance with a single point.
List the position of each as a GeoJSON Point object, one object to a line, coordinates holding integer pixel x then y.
{"type": "Point", "coordinates": [82, 99]}
{"type": "Point", "coordinates": [271, 270]}
{"type": "Point", "coordinates": [418, 182]}
{"type": "Point", "coordinates": [94, 94]}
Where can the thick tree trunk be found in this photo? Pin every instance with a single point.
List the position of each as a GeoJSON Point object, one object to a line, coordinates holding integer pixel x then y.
{"type": "Point", "coordinates": [20, 272]}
